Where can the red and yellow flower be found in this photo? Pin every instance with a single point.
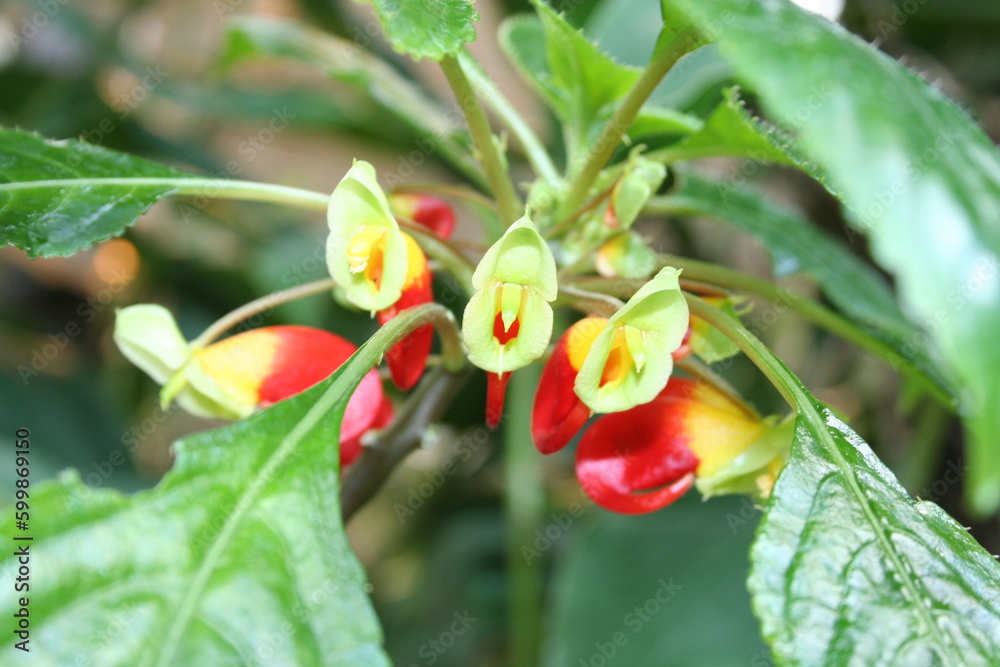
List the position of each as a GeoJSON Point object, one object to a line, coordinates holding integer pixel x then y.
{"type": "Point", "coordinates": [508, 321]}
{"type": "Point", "coordinates": [643, 459]}
{"type": "Point", "coordinates": [238, 375]}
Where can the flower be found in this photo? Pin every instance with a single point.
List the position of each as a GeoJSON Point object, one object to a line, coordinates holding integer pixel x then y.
{"type": "Point", "coordinates": [251, 370]}
{"type": "Point", "coordinates": [630, 359]}
{"type": "Point", "coordinates": [366, 252]}
{"type": "Point", "coordinates": [508, 321]}
{"type": "Point", "coordinates": [558, 413]}
{"type": "Point", "coordinates": [643, 459]}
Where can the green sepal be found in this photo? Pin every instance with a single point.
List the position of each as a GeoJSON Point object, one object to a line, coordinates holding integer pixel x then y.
{"type": "Point", "coordinates": [658, 310]}
{"type": "Point", "coordinates": [358, 203]}
{"type": "Point", "coordinates": [641, 180]}
{"type": "Point", "coordinates": [149, 337]}
{"type": "Point", "coordinates": [626, 255]}
{"type": "Point", "coordinates": [535, 330]}
{"type": "Point", "coordinates": [710, 344]}
{"type": "Point", "coordinates": [521, 256]}
{"type": "Point", "coordinates": [742, 473]}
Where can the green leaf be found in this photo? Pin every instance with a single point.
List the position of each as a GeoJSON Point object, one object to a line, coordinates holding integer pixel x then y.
{"type": "Point", "coordinates": [609, 567]}
{"type": "Point", "coordinates": [854, 287]}
{"type": "Point", "coordinates": [423, 29]}
{"type": "Point", "coordinates": [580, 82]}
{"type": "Point", "coordinates": [343, 60]}
{"type": "Point", "coordinates": [58, 197]}
{"type": "Point", "coordinates": [848, 569]}
{"type": "Point", "coordinates": [238, 556]}
{"type": "Point", "coordinates": [731, 130]}
{"type": "Point", "coordinates": [917, 174]}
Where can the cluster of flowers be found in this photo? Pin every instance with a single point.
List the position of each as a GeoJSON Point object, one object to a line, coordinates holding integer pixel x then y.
{"type": "Point", "coordinates": [658, 434]}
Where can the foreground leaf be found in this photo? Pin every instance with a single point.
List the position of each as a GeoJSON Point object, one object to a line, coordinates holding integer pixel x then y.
{"type": "Point", "coordinates": [237, 557]}
{"type": "Point", "coordinates": [848, 569]}
{"type": "Point", "coordinates": [422, 29]}
{"type": "Point", "coordinates": [917, 174]}
{"type": "Point", "coordinates": [855, 288]}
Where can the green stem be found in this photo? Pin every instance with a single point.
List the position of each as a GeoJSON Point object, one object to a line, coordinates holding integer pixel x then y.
{"type": "Point", "coordinates": [533, 147]}
{"type": "Point", "coordinates": [924, 453]}
{"type": "Point", "coordinates": [611, 135]}
{"type": "Point", "coordinates": [525, 507]}
{"type": "Point", "coordinates": [448, 190]}
{"type": "Point", "coordinates": [588, 302]}
{"type": "Point", "coordinates": [260, 305]}
{"type": "Point", "coordinates": [215, 188]}
{"type": "Point", "coordinates": [444, 252]}
{"type": "Point", "coordinates": [806, 308]}
{"type": "Point", "coordinates": [811, 311]}
{"type": "Point", "coordinates": [482, 136]}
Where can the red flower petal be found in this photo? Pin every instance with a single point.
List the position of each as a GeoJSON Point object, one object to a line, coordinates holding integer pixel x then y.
{"type": "Point", "coordinates": [408, 358]}
{"type": "Point", "coordinates": [558, 413]}
{"type": "Point", "coordinates": [496, 389]}
{"type": "Point", "coordinates": [432, 212]}
{"type": "Point", "coordinates": [352, 448]}
{"type": "Point", "coordinates": [304, 357]}
{"type": "Point", "coordinates": [638, 461]}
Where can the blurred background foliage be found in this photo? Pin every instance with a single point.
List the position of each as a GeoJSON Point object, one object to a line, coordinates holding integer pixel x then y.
{"type": "Point", "coordinates": [142, 77]}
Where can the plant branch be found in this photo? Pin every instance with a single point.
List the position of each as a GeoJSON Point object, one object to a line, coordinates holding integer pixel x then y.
{"type": "Point", "coordinates": [482, 136]}
{"type": "Point", "coordinates": [611, 135]}
{"type": "Point", "coordinates": [425, 406]}
{"type": "Point", "coordinates": [533, 147]}
{"type": "Point", "coordinates": [261, 305]}
{"type": "Point", "coordinates": [448, 190]}
{"type": "Point", "coordinates": [810, 310]}
{"type": "Point", "coordinates": [524, 505]}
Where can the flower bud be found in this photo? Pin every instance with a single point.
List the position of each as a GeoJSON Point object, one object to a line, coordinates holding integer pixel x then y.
{"type": "Point", "coordinates": [235, 376]}
{"type": "Point", "coordinates": [433, 213]}
{"type": "Point", "coordinates": [640, 181]}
